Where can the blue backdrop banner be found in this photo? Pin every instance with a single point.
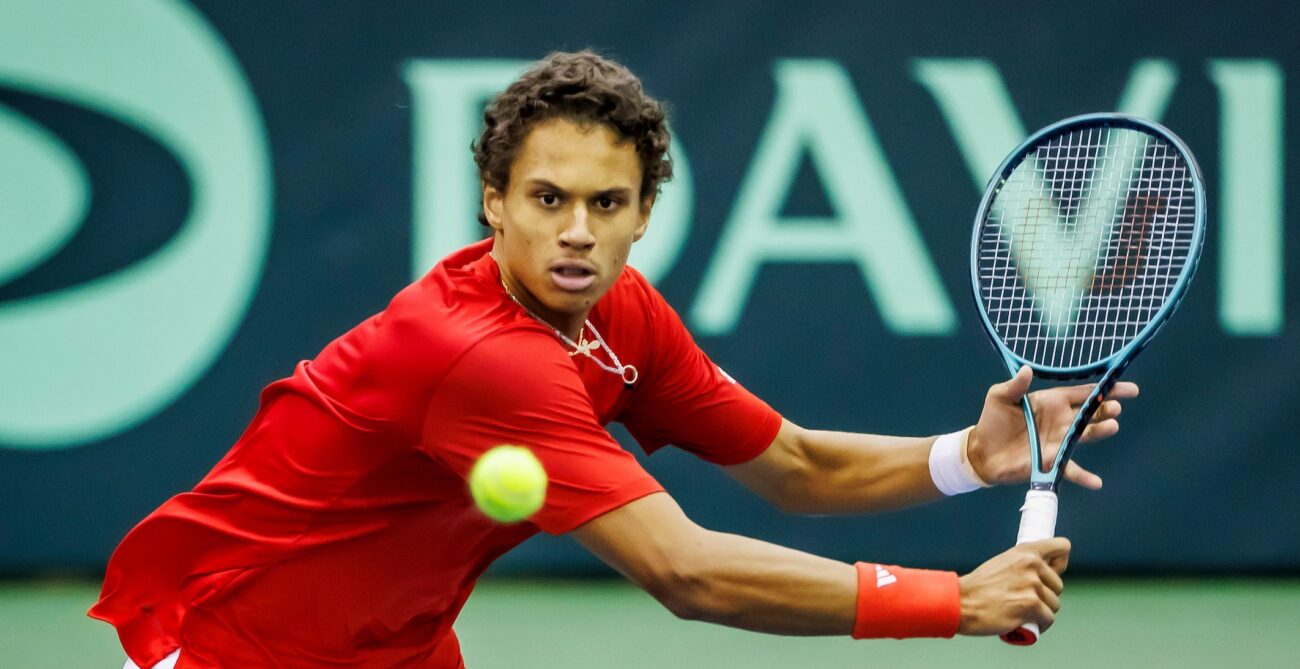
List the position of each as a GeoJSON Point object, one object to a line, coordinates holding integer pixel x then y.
{"type": "Point", "coordinates": [193, 197]}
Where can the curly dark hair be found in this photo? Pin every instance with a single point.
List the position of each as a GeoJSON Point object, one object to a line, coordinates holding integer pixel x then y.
{"type": "Point", "coordinates": [582, 86]}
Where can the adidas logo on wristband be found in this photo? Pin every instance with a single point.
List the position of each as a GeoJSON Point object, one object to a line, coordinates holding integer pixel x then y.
{"type": "Point", "coordinates": [917, 603]}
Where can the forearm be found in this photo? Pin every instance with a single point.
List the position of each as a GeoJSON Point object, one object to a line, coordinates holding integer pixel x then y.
{"type": "Point", "coordinates": [749, 584]}
{"type": "Point", "coordinates": [723, 578]}
{"type": "Point", "coordinates": [813, 471]}
{"type": "Point", "coordinates": [732, 580]}
{"type": "Point", "coordinates": [857, 473]}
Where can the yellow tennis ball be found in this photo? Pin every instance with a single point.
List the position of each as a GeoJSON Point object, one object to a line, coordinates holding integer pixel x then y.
{"type": "Point", "coordinates": [508, 484]}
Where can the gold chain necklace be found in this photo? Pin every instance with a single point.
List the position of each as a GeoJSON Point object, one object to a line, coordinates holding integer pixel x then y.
{"type": "Point", "coordinates": [626, 372]}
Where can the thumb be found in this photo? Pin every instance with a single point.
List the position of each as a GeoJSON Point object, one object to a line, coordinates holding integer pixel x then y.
{"type": "Point", "coordinates": [1014, 389]}
{"type": "Point", "coordinates": [1054, 551]}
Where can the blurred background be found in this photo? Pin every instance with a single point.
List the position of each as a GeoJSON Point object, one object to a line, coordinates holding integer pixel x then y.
{"type": "Point", "coordinates": [194, 195]}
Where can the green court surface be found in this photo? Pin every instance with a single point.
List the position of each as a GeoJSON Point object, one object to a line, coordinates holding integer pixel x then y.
{"type": "Point", "coordinates": [508, 624]}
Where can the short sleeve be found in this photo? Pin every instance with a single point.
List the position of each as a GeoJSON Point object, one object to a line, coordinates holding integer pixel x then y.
{"type": "Point", "coordinates": [518, 387]}
{"type": "Point", "coordinates": [687, 400]}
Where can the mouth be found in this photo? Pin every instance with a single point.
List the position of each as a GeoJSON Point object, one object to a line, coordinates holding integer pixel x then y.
{"type": "Point", "coordinates": [573, 276]}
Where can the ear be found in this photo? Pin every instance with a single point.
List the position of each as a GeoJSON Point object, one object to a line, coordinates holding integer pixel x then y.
{"type": "Point", "coordinates": [646, 205]}
{"type": "Point", "coordinates": [493, 204]}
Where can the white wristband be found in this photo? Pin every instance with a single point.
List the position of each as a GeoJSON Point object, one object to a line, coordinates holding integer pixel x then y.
{"type": "Point", "coordinates": [950, 468]}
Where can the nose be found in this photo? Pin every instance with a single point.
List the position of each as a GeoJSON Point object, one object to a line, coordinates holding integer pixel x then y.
{"type": "Point", "coordinates": [577, 233]}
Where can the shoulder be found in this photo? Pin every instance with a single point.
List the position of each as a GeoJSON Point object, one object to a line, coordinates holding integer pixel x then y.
{"type": "Point", "coordinates": [633, 296]}
{"type": "Point", "coordinates": [395, 357]}
{"type": "Point", "coordinates": [518, 380]}
{"type": "Point", "coordinates": [458, 303]}
{"type": "Point", "coordinates": [634, 285]}
{"type": "Point", "coordinates": [520, 364]}
{"type": "Point", "coordinates": [421, 330]}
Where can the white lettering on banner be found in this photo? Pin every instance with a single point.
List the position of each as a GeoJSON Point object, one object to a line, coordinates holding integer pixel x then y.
{"type": "Point", "coordinates": [1251, 196]}
{"type": "Point", "coordinates": [817, 111]}
{"type": "Point", "coordinates": [984, 121]}
{"type": "Point", "coordinates": [447, 98]}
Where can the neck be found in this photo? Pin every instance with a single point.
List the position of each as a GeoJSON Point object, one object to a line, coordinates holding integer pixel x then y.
{"type": "Point", "coordinates": [569, 324]}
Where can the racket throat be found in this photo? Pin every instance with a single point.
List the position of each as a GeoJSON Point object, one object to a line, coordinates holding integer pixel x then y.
{"type": "Point", "coordinates": [1038, 479]}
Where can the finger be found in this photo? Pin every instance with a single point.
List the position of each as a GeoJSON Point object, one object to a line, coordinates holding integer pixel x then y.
{"type": "Point", "coordinates": [1108, 409]}
{"type": "Point", "coordinates": [1082, 477]}
{"type": "Point", "coordinates": [1055, 550]}
{"type": "Point", "coordinates": [1050, 598]}
{"type": "Point", "coordinates": [1098, 431]}
{"type": "Point", "coordinates": [1058, 563]}
{"type": "Point", "coordinates": [1079, 394]}
{"type": "Point", "coordinates": [1045, 617]}
{"type": "Point", "coordinates": [1049, 579]}
{"type": "Point", "coordinates": [1123, 390]}
{"type": "Point", "coordinates": [1014, 389]}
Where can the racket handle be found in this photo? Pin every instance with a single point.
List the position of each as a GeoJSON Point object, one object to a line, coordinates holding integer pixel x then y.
{"type": "Point", "coordinates": [1037, 522]}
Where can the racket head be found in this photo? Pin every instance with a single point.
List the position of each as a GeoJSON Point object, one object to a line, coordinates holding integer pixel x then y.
{"type": "Point", "coordinates": [1126, 191]}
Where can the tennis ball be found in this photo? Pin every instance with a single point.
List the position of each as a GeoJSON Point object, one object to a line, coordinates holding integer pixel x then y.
{"type": "Point", "coordinates": [508, 484]}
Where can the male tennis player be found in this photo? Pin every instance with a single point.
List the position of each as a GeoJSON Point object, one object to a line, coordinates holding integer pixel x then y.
{"type": "Point", "coordinates": [338, 531]}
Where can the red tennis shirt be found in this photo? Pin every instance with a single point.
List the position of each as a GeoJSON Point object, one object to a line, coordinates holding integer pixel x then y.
{"type": "Point", "coordinates": [339, 531]}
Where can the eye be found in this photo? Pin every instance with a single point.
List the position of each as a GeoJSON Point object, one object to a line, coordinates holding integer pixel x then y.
{"type": "Point", "coordinates": [548, 199]}
{"type": "Point", "coordinates": [606, 203]}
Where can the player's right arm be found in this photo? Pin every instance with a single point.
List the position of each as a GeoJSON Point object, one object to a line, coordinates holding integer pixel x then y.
{"type": "Point", "coordinates": [740, 582]}
{"type": "Point", "coordinates": [518, 387]}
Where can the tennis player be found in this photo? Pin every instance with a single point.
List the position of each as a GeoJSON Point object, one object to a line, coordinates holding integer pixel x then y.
{"type": "Point", "coordinates": [338, 531]}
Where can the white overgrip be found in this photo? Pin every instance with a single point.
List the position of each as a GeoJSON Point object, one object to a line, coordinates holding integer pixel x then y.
{"type": "Point", "coordinates": [1037, 517]}
{"type": "Point", "coordinates": [1037, 522]}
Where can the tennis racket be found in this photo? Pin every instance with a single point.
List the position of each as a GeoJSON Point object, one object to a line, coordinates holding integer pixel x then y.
{"type": "Point", "coordinates": [1084, 244]}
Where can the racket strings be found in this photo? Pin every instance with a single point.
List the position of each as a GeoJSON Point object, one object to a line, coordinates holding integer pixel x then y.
{"type": "Point", "coordinates": [1084, 242]}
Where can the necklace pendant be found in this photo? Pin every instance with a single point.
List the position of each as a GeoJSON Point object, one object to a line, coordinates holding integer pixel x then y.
{"type": "Point", "coordinates": [584, 347]}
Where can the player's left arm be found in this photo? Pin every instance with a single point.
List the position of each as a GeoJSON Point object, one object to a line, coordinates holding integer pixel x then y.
{"type": "Point", "coordinates": [814, 471]}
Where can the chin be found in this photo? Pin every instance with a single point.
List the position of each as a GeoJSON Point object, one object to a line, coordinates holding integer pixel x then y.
{"type": "Point", "coordinates": [561, 302]}
{"type": "Point", "coordinates": [575, 304]}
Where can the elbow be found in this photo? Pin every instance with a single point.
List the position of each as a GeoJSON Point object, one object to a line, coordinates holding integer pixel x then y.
{"type": "Point", "coordinates": [687, 591]}
{"type": "Point", "coordinates": [796, 492]}
{"type": "Point", "coordinates": [679, 590]}
{"type": "Point", "coordinates": [796, 503]}
{"type": "Point", "coordinates": [789, 498]}
{"type": "Point", "coordinates": [683, 605]}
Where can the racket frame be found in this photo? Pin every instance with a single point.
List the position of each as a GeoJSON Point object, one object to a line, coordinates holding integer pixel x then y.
{"type": "Point", "coordinates": [1113, 365]}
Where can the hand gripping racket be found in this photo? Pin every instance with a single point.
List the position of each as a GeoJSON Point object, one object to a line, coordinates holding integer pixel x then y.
{"type": "Point", "coordinates": [1084, 244]}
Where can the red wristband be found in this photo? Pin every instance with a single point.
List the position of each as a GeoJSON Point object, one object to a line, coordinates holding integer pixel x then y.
{"type": "Point", "coordinates": [900, 603]}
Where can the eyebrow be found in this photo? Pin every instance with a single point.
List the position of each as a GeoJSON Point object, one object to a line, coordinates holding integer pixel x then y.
{"type": "Point", "coordinates": [608, 192]}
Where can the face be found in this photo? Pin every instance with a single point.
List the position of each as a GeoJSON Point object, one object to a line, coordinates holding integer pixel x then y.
{"type": "Point", "coordinates": [567, 219]}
